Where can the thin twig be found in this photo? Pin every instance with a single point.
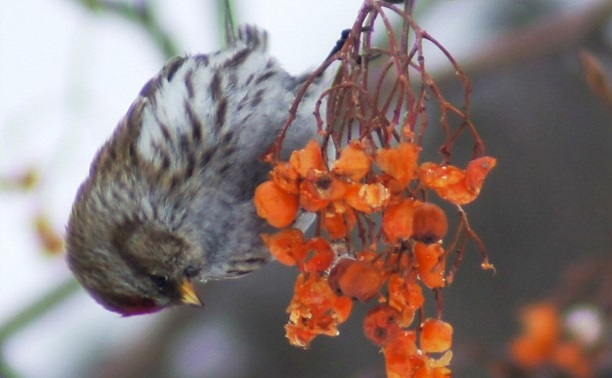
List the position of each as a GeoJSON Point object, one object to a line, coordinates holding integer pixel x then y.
{"type": "Point", "coordinates": [141, 14]}
{"type": "Point", "coordinates": [38, 308]}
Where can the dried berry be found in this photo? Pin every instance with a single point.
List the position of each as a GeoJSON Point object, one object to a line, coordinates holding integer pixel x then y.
{"type": "Point", "coordinates": [318, 255]}
{"type": "Point", "coordinates": [430, 268]}
{"type": "Point", "coordinates": [429, 224]}
{"type": "Point", "coordinates": [353, 163]}
{"type": "Point", "coordinates": [399, 298]}
{"type": "Point", "coordinates": [286, 246]}
{"type": "Point", "coordinates": [276, 205]}
{"type": "Point", "coordinates": [367, 198]}
{"type": "Point", "coordinates": [286, 177]}
{"type": "Point", "coordinates": [402, 355]}
{"type": "Point", "coordinates": [356, 279]}
{"type": "Point", "coordinates": [310, 199]}
{"type": "Point", "coordinates": [436, 336]}
{"type": "Point", "coordinates": [397, 221]}
{"type": "Point", "coordinates": [381, 324]}
{"type": "Point", "coordinates": [308, 158]}
{"type": "Point", "coordinates": [400, 162]}
{"type": "Point", "coordinates": [338, 220]}
{"type": "Point", "coordinates": [476, 172]}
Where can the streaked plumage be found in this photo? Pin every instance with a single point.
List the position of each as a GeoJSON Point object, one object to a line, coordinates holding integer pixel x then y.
{"type": "Point", "coordinates": [169, 196]}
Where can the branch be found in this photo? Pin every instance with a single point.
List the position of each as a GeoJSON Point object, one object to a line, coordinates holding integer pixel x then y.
{"type": "Point", "coordinates": [41, 306]}
{"type": "Point", "coordinates": [141, 14]}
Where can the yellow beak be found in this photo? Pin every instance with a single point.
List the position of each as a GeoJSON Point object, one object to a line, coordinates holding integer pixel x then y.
{"type": "Point", "coordinates": [189, 295]}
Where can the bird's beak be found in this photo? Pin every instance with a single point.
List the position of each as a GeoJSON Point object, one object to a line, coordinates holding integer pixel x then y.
{"type": "Point", "coordinates": [188, 294]}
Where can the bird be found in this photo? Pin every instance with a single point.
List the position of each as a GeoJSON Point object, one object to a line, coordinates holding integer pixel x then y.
{"type": "Point", "coordinates": [168, 198]}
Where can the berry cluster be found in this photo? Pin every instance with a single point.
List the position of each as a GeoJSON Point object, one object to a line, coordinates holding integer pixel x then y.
{"type": "Point", "coordinates": [403, 252]}
{"type": "Point", "coordinates": [379, 236]}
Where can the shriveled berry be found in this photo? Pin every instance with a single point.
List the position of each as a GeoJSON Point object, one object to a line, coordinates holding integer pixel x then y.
{"type": "Point", "coordinates": [286, 246]}
{"type": "Point", "coordinates": [338, 220]}
{"type": "Point", "coordinates": [400, 298]}
{"type": "Point", "coordinates": [401, 355]}
{"type": "Point", "coordinates": [308, 158]}
{"type": "Point", "coordinates": [381, 324]}
{"type": "Point", "coordinates": [310, 199]}
{"type": "Point", "coordinates": [356, 279]}
{"type": "Point", "coordinates": [400, 161]}
{"type": "Point", "coordinates": [286, 177]}
{"type": "Point", "coordinates": [541, 333]}
{"type": "Point", "coordinates": [318, 255]}
{"type": "Point", "coordinates": [354, 163]}
{"type": "Point", "coordinates": [436, 336]}
{"type": "Point", "coordinates": [429, 224]}
{"type": "Point", "coordinates": [436, 176]}
{"type": "Point", "coordinates": [476, 172]}
{"type": "Point", "coordinates": [367, 198]}
{"type": "Point", "coordinates": [397, 220]}
{"type": "Point", "coordinates": [279, 207]}
{"type": "Point", "coordinates": [314, 310]}
{"type": "Point", "coordinates": [431, 270]}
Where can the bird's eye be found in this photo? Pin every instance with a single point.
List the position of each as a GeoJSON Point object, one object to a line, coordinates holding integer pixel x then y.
{"type": "Point", "coordinates": [160, 280]}
{"type": "Point", "coordinates": [191, 272]}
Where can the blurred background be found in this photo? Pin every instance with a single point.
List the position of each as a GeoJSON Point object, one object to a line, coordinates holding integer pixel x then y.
{"type": "Point", "coordinates": [540, 70]}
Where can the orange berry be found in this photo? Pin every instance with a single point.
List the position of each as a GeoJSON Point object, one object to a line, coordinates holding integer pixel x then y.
{"type": "Point", "coordinates": [455, 185]}
{"type": "Point", "coordinates": [339, 220]}
{"type": "Point", "coordinates": [367, 256]}
{"type": "Point", "coordinates": [421, 370]}
{"type": "Point", "coordinates": [527, 352]}
{"type": "Point", "coordinates": [399, 299]}
{"type": "Point", "coordinates": [476, 172]}
{"type": "Point", "coordinates": [414, 294]}
{"type": "Point", "coordinates": [431, 270]}
{"type": "Point", "coordinates": [375, 195]}
{"type": "Point", "coordinates": [286, 246]}
{"type": "Point", "coordinates": [276, 205]}
{"type": "Point", "coordinates": [367, 198]}
{"type": "Point", "coordinates": [355, 201]}
{"type": "Point", "coordinates": [356, 279]}
{"type": "Point", "coordinates": [541, 330]}
{"type": "Point", "coordinates": [343, 307]}
{"type": "Point", "coordinates": [542, 321]}
{"type": "Point", "coordinates": [429, 224]}
{"type": "Point", "coordinates": [458, 194]}
{"type": "Point", "coordinates": [400, 162]}
{"type": "Point", "coordinates": [299, 336]}
{"type": "Point", "coordinates": [285, 177]}
{"type": "Point", "coordinates": [309, 198]}
{"type": "Point", "coordinates": [571, 357]}
{"type": "Point", "coordinates": [314, 310]}
{"type": "Point", "coordinates": [380, 324]}
{"type": "Point", "coordinates": [313, 296]}
{"type": "Point", "coordinates": [325, 186]}
{"type": "Point", "coordinates": [390, 183]}
{"type": "Point", "coordinates": [309, 157]}
{"type": "Point", "coordinates": [319, 255]}
{"type": "Point", "coordinates": [397, 221]}
{"type": "Point", "coordinates": [436, 336]}
{"type": "Point", "coordinates": [353, 163]}
{"type": "Point", "coordinates": [401, 355]}
{"type": "Point", "coordinates": [437, 176]}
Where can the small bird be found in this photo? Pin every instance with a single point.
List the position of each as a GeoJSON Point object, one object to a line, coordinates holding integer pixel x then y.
{"type": "Point", "coordinates": [168, 198]}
